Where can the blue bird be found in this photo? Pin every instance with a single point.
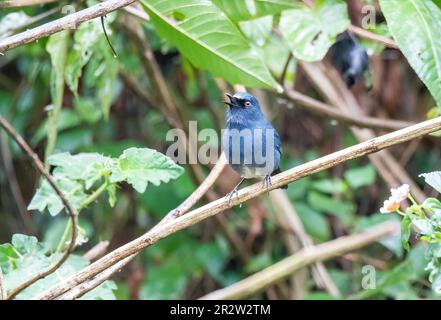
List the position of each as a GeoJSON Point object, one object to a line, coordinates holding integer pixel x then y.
{"type": "Point", "coordinates": [251, 144]}
{"type": "Point", "coordinates": [349, 58]}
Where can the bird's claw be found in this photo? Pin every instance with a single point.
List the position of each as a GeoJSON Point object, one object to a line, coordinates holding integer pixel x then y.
{"type": "Point", "coordinates": [267, 182]}
{"type": "Point", "coordinates": [231, 194]}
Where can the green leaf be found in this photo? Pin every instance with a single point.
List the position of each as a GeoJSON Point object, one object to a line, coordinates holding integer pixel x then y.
{"type": "Point", "coordinates": [85, 38]}
{"type": "Point", "coordinates": [315, 223]}
{"type": "Point", "coordinates": [360, 177]}
{"type": "Point", "coordinates": [89, 167]}
{"type": "Point", "coordinates": [209, 40]}
{"type": "Point", "coordinates": [393, 243]}
{"type": "Point", "coordinates": [310, 32]}
{"type": "Point", "coordinates": [167, 281]}
{"type": "Point", "coordinates": [66, 119]}
{"type": "Point", "coordinates": [405, 232]}
{"type": "Point", "coordinates": [330, 186]}
{"type": "Point", "coordinates": [13, 22]}
{"type": "Point", "coordinates": [424, 226]}
{"type": "Point", "coordinates": [45, 197]}
{"type": "Point", "coordinates": [341, 209]}
{"type": "Point", "coordinates": [239, 10]}
{"type": "Point", "coordinates": [139, 166]}
{"type": "Point", "coordinates": [30, 258]}
{"type": "Point", "coordinates": [436, 284]}
{"type": "Point", "coordinates": [416, 26]}
{"type": "Point", "coordinates": [57, 47]}
{"type": "Point", "coordinates": [111, 191]}
{"type": "Point", "coordinates": [106, 81]}
{"type": "Point", "coordinates": [258, 30]}
{"type": "Point", "coordinates": [433, 204]}
{"type": "Point", "coordinates": [433, 179]}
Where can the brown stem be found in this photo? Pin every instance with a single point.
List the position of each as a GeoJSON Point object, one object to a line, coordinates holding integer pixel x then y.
{"type": "Point", "coordinates": [61, 24]}
{"type": "Point", "coordinates": [362, 121]}
{"type": "Point", "coordinates": [372, 36]}
{"type": "Point", "coordinates": [72, 211]}
{"type": "Point", "coordinates": [305, 257]}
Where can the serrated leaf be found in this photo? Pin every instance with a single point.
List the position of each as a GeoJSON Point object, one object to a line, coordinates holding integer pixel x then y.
{"type": "Point", "coordinates": [88, 167]}
{"type": "Point", "coordinates": [433, 179]}
{"type": "Point", "coordinates": [45, 197]}
{"type": "Point", "coordinates": [209, 40]}
{"type": "Point", "coordinates": [310, 32]}
{"type": "Point", "coordinates": [416, 26]}
{"type": "Point", "coordinates": [140, 166]}
{"type": "Point", "coordinates": [239, 10]}
{"type": "Point", "coordinates": [34, 259]}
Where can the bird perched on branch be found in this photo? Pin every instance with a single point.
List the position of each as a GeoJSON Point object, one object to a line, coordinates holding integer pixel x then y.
{"type": "Point", "coordinates": [349, 57]}
{"type": "Point", "coordinates": [251, 144]}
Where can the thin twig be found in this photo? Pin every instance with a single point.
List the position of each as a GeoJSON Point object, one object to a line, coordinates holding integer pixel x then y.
{"type": "Point", "coordinates": [362, 121]}
{"type": "Point", "coordinates": [61, 24]}
{"type": "Point", "coordinates": [13, 183]}
{"type": "Point", "coordinates": [372, 36]}
{"type": "Point", "coordinates": [336, 92]}
{"type": "Point", "coordinates": [72, 211]}
{"type": "Point", "coordinates": [91, 284]}
{"type": "Point", "coordinates": [199, 192]}
{"type": "Point", "coordinates": [220, 205]}
{"type": "Point", "coordinates": [305, 257]}
{"type": "Point", "coordinates": [115, 55]}
{"type": "Point", "coordinates": [284, 208]}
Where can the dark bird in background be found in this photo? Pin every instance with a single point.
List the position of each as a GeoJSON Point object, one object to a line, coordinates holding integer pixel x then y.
{"type": "Point", "coordinates": [251, 144]}
{"type": "Point", "coordinates": [349, 58]}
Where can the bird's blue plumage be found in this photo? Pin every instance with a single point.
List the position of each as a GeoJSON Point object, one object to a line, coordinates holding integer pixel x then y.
{"type": "Point", "coordinates": [250, 142]}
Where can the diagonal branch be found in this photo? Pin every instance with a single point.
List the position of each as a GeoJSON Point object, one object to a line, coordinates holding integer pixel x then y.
{"type": "Point", "coordinates": [303, 258]}
{"type": "Point", "coordinates": [215, 207]}
{"type": "Point", "coordinates": [362, 121]}
{"type": "Point", "coordinates": [47, 29]}
{"type": "Point", "coordinates": [72, 211]}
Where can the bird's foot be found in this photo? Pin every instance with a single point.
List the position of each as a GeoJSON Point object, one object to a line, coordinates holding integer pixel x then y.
{"type": "Point", "coordinates": [267, 182]}
{"type": "Point", "coordinates": [231, 194]}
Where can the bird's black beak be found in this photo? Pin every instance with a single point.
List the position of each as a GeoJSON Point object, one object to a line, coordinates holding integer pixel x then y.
{"type": "Point", "coordinates": [232, 101]}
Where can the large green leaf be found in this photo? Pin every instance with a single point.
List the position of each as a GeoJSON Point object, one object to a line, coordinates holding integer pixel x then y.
{"type": "Point", "coordinates": [139, 166]}
{"type": "Point", "coordinates": [239, 10]}
{"type": "Point", "coordinates": [310, 32]}
{"type": "Point", "coordinates": [210, 41]}
{"type": "Point", "coordinates": [416, 26]}
{"type": "Point", "coordinates": [88, 167]}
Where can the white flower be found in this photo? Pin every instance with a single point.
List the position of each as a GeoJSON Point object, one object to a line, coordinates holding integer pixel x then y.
{"type": "Point", "coordinates": [389, 205]}
{"type": "Point", "coordinates": [400, 194]}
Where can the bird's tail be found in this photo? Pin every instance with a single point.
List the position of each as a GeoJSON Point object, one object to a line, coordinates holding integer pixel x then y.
{"type": "Point", "coordinates": [277, 171]}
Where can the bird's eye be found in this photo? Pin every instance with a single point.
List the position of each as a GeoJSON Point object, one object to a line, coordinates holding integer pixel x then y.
{"type": "Point", "coordinates": [247, 104]}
